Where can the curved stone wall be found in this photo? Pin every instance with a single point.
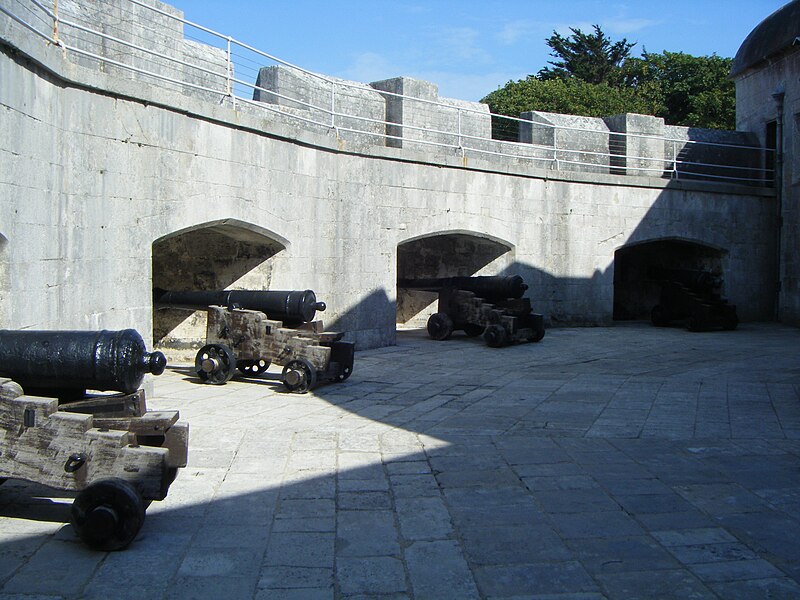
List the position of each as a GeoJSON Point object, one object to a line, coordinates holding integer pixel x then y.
{"type": "Point", "coordinates": [97, 172]}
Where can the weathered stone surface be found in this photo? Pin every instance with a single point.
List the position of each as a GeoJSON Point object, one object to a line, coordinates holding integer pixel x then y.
{"type": "Point", "coordinates": [108, 191]}
{"type": "Point", "coordinates": [278, 499]}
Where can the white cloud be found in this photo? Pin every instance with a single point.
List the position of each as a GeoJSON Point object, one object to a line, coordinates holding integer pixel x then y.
{"type": "Point", "coordinates": [623, 26]}
{"type": "Point", "coordinates": [515, 31]}
{"type": "Point", "coordinates": [460, 44]}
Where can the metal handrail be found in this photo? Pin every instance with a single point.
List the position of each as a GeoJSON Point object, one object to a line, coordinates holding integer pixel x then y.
{"type": "Point", "coordinates": [672, 165]}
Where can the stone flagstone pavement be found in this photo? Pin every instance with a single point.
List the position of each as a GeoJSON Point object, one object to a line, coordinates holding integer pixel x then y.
{"type": "Point", "coordinates": [619, 463]}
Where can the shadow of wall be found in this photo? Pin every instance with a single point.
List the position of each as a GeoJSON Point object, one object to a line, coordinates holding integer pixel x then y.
{"type": "Point", "coordinates": [730, 235]}
{"type": "Point", "coordinates": [446, 433]}
{"type": "Point", "coordinates": [468, 458]}
{"type": "Point", "coordinates": [369, 323]}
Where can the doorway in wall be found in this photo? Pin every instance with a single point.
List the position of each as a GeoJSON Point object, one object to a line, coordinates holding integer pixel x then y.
{"type": "Point", "coordinates": [639, 268]}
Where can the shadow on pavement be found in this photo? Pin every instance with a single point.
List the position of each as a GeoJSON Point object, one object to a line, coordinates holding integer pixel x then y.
{"type": "Point", "coordinates": [600, 463]}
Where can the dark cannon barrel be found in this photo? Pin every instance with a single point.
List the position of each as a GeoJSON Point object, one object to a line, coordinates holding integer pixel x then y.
{"type": "Point", "coordinates": [43, 362]}
{"type": "Point", "coordinates": [696, 279]}
{"type": "Point", "coordinates": [487, 287]}
{"type": "Point", "coordinates": [291, 307]}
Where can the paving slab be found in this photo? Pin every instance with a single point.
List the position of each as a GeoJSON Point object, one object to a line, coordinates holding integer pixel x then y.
{"type": "Point", "coordinates": [599, 464]}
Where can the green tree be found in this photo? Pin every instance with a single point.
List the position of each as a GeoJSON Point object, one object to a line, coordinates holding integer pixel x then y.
{"type": "Point", "coordinates": [694, 91]}
{"type": "Point", "coordinates": [591, 57]}
{"type": "Point", "coordinates": [595, 76]}
{"type": "Point", "coordinates": [567, 96]}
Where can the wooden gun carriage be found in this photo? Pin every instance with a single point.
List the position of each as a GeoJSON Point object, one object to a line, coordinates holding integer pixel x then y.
{"type": "Point", "coordinates": [109, 448]}
{"type": "Point", "coordinates": [492, 306]}
{"type": "Point", "coordinates": [692, 296]}
{"type": "Point", "coordinates": [247, 331]}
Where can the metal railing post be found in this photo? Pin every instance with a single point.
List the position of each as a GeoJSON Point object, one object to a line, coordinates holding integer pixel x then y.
{"type": "Point", "coordinates": [55, 20]}
{"type": "Point", "coordinates": [229, 74]}
{"type": "Point", "coordinates": [333, 104]}
{"type": "Point", "coordinates": [674, 160]}
{"type": "Point", "coordinates": [460, 143]}
{"type": "Point", "coordinates": [555, 150]}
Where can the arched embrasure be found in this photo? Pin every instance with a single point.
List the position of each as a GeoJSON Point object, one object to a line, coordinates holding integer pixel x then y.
{"type": "Point", "coordinates": [444, 254]}
{"type": "Point", "coordinates": [636, 271]}
{"type": "Point", "coordinates": [211, 256]}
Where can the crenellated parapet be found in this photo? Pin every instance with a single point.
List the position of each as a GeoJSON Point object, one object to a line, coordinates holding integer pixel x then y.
{"type": "Point", "coordinates": [149, 42]}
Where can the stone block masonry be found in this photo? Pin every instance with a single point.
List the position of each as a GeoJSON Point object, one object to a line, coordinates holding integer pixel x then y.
{"type": "Point", "coordinates": [104, 180]}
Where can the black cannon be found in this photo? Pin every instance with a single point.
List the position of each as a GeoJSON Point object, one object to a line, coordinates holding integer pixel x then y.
{"type": "Point", "coordinates": [109, 448]}
{"type": "Point", "coordinates": [492, 306]}
{"type": "Point", "coordinates": [67, 363]}
{"type": "Point", "coordinates": [246, 331]}
{"type": "Point", "coordinates": [698, 280]}
{"type": "Point", "coordinates": [693, 296]}
{"type": "Point", "coordinates": [291, 307]}
{"type": "Point", "coordinates": [488, 287]}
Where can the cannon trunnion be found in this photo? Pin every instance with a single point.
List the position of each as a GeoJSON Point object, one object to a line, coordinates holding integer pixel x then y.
{"type": "Point", "coordinates": [492, 306]}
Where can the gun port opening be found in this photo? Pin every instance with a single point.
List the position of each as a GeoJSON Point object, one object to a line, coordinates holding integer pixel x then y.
{"type": "Point", "coordinates": [640, 270]}
{"type": "Point", "coordinates": [214, 256]}
{"type": "Point", "coordinates": [458, 254]}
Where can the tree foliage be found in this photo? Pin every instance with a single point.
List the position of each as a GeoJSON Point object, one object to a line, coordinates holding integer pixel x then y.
{"type": "Point", "coordinates": [567, 96]}
{"type": "Point", "coordinates": [694, 91]}
{"type": "Point", "coordinates": [596, 76]}
{"type": "Point", "coordinates": [590, 57]}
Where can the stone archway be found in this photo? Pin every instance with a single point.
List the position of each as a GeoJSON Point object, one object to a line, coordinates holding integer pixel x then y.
{"type": "Point", "coordinates": [637, 266]}
{"type": "Point", "coordinates": [444, 254]}
{"type": "Point", "coordinates": [218, 255]}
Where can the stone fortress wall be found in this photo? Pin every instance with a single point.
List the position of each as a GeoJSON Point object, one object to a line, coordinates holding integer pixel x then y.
{"type": "Point", "coordinates": [393, 112]}
{"type": "Point", "coordinates": [763, 92]}
{"type": "Point", "coordinates": [114, 182]}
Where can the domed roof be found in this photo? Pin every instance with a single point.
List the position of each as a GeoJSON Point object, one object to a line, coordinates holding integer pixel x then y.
{"type": "Point", "coordinates": [773, 35]}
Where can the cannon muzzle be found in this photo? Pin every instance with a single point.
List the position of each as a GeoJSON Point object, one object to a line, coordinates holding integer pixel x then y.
{"type": "Point", "coordinates": [292, 307]}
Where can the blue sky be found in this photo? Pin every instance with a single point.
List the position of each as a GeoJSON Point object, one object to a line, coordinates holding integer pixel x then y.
{"type": "Point", "coordinates": [467, 48]}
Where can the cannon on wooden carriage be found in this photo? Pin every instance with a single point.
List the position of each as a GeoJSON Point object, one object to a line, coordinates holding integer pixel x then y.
{"type": "Point", "coordinates": [293, 308]}
{"type": "Point", "coordinates": [692, 296]}
{"type": "Point", "coordinates": [492, 306]}
{"type": "Point", "coordinates": [247, 331]}
{"type": "Point", "coordinates": [56, 430]}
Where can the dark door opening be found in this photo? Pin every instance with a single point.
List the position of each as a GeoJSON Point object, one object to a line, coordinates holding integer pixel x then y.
{"type": "Point", "coordinates": [637, 282]}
